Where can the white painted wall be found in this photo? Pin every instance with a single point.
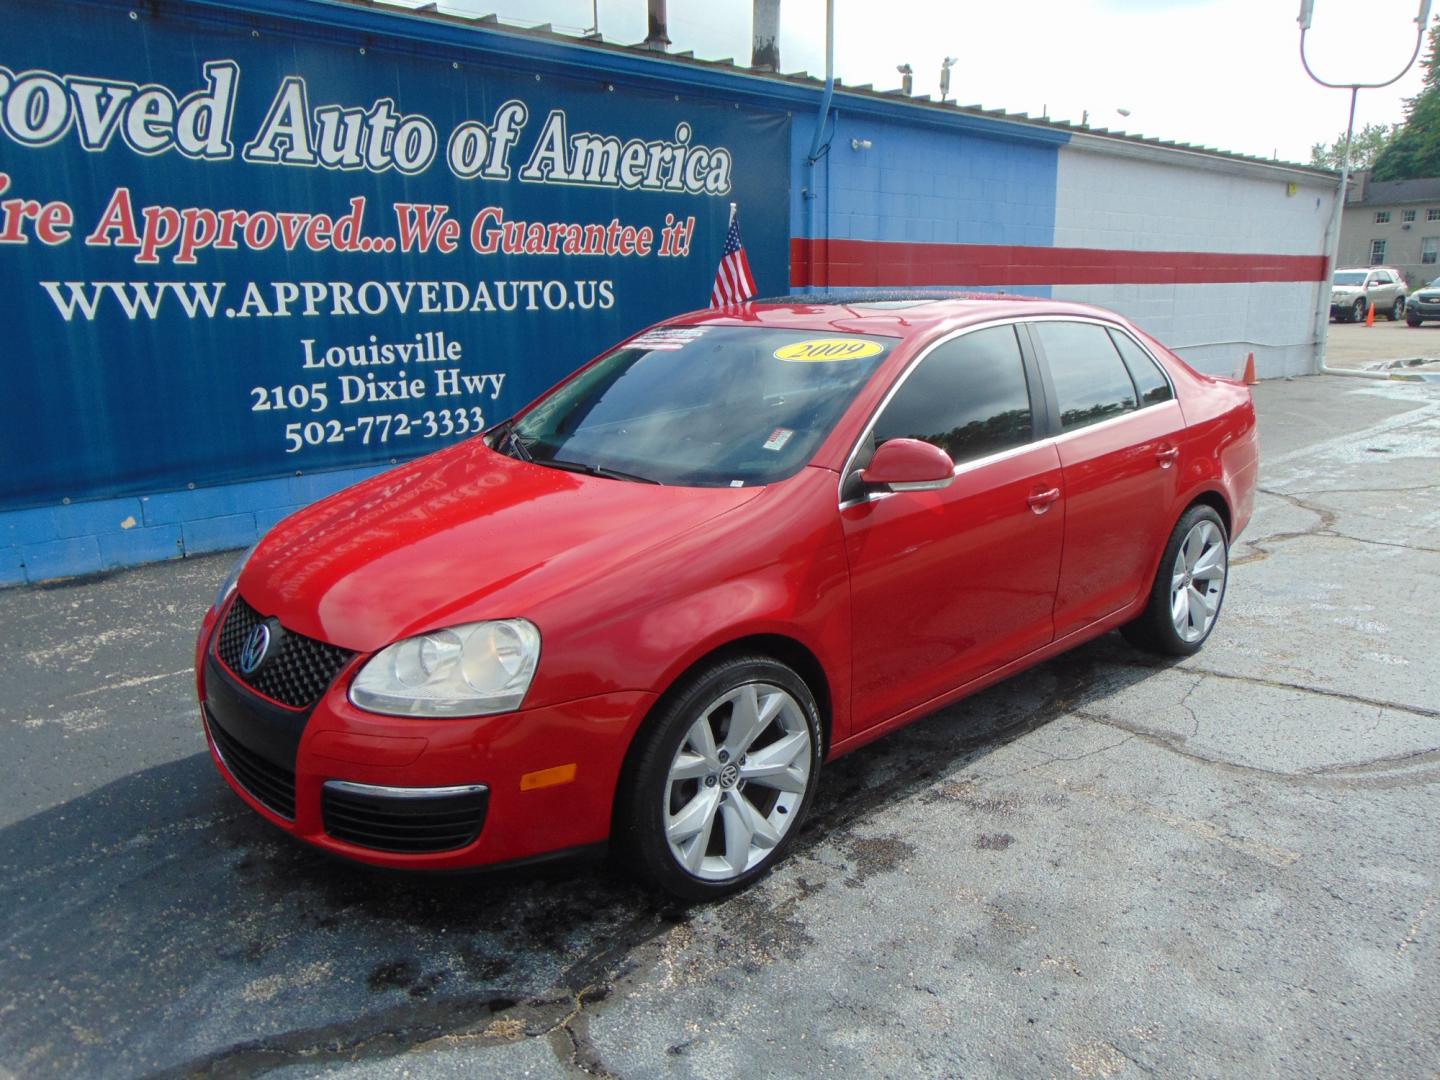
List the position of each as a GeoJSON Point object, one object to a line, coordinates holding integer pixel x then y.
{"type": "Point", "coordinates": [1122, 201]}
{"type": "Point", "coordinates": [1213, 327]}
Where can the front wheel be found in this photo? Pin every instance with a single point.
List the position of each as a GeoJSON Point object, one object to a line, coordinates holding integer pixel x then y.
{"type": "Point", "coordinates": [1357, 311]}
{"type": "Point", "coordinates": [725, 773]}
{"type": "Point", "coordinates": [1397, 310]}
{"type": "Point", "coordinates": [1188, 589]}
{"type": "Point", "coordinates": [1411, 319]}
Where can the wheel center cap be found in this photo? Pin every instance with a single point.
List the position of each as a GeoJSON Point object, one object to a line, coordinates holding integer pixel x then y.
{"type": "Point", "coordinates": [729, 775]}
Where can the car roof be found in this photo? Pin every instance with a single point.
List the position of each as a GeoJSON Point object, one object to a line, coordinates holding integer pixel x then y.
{"type": "Point", "coordinates": [886, 313]}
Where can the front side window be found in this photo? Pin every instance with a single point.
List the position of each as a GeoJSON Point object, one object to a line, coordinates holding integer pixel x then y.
{"type": "Point", "coordinates": [699, 406]}
{"type": "Point", "coordinates": [1377, 252]}
{"type": "Point", "coordinates": [968, 396]}
{"type": "Point", "coordinates": [1091, 381]}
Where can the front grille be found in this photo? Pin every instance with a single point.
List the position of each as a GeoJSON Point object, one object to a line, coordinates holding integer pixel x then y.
{"type": "Point", "coordinates": [406, 824]}
{"type": "Point", "coordinates": [297, 670]}
{"type": "Point", "coordinates": [271, 785]}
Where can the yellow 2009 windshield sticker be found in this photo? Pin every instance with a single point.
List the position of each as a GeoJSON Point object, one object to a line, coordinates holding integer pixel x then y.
{"type": "Point", "coordinates": [828, 350]}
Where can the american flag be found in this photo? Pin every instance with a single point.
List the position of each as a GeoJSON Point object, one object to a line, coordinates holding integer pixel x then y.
{"type": "Point", "coordinates": [734, 284]}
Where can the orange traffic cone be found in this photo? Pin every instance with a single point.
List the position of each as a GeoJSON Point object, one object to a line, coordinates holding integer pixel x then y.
{"type": "Point", "coordinates": [1370, 316]}
{"type": "Point", "coordinates": [1249, 376]}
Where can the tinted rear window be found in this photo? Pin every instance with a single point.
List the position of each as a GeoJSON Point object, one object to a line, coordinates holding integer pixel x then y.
{"type": "Point", "coordinates": [1149, 379]}
{"type": "Point", "coordinates": [1091, 381]}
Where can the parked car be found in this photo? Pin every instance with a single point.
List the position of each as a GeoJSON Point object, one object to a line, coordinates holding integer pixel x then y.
{"type": "Point", "coordinates": [1354, 291]}
{"type": "Point", "coordinates": [647, 609]}
{"type": "Point", "coordinates": [1425, 304]}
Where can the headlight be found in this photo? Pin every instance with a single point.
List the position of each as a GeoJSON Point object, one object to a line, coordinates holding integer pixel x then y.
{"type": "Point", "coordinates": [231, 579]}
{"type": "Point", "coordinates": [471, 670]}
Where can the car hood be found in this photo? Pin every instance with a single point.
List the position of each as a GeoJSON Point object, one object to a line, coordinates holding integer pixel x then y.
{"type": "Point", "coordinates": [464, 534]}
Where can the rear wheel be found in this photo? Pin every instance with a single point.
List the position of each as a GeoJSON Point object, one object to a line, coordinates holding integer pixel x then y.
{"type": "Point", "coordinates": [1397, 310]}
{"type": "Point", "coordinates": [725, 774]}
{"type": "Point", "coordinates": [1189, 587]}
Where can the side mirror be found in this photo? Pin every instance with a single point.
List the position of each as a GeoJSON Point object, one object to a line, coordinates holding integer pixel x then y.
{"type": "Point", "coordinates": [908, 465]}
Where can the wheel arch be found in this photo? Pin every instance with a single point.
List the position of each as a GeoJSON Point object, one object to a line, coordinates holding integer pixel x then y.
{"type": "Point", "coordinates": [781, 647]}
{"type": "Point", "coordinates": [1217, 502]}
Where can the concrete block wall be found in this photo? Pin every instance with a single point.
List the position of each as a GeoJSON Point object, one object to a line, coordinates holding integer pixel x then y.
{"type": "Point", "coordinates": [49, 542]}
{"type": "Point", "coordinates": [915, 184]}
{"type": "Point", "coordinates": [1121, 202]}
{"type": "Point", "coordinates": [1215, 257]}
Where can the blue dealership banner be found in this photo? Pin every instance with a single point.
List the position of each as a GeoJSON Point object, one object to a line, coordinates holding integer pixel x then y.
{"type": "Point", "coordinates": [237, 249]}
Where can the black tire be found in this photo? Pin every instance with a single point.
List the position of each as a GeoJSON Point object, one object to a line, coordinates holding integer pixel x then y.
{"type": "Point", "coordinates": [1357, 311]}
{"type": "Point", "coordinates": [1154, 629]}
{"type": "Point", "coordinates": [1397, 310]}
{"type": "Point", "coordinates": [1411, 319]}
{"type": "Point", "coordinates": [641, 807]}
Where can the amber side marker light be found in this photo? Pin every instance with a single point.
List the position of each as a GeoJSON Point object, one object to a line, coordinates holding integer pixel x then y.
{"type": "Point", "coordinates": [560, 774]}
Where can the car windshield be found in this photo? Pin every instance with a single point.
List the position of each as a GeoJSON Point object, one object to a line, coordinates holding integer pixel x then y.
{"type": "Point", "coordinates": [1349, 277]}
{"type": "Point", "coordinates": [699, 406]}
{"type": "Point", "coordinates": [1433, 284]}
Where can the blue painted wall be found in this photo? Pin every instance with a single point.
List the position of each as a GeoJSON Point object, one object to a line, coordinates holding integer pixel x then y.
{"type": "Point", "coordinates": [917, 184]}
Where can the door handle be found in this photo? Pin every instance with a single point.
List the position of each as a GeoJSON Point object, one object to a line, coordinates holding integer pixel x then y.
{"type": "Point", "coordinates": [1166, 455]}
{"type": "Point", "coordinates": [1040, 501]}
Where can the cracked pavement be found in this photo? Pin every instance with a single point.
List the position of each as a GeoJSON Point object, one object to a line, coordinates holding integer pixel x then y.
{"type": "Point", "coordinates": [1106, 867]}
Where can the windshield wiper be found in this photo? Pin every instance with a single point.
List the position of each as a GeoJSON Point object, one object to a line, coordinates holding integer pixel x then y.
{"type": "Point", "coordinates": [509, 442]}
{"type": "Point", "coordinates": [596, 470]}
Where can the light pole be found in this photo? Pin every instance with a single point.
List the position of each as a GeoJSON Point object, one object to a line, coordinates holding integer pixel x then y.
{"type": "Point", "coordinates": [1332, 233]}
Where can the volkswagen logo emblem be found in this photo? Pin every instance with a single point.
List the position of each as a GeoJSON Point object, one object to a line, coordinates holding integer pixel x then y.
{"type": "Point", "coordinates": [252, 655]}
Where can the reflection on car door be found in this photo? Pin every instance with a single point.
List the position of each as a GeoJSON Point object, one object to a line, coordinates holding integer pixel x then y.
{"type": "Point", "coordinates": [947, 585]}
{"type": "Point", "coordinates": [1119, 441]}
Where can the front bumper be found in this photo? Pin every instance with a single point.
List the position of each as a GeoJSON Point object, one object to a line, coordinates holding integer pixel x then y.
{"type": "Point", "coordinates": [1425, 309]}
{"type": "Point", "coordinates": [517, 785]}
{"type": "Point", "coordinates": [1342, 305]}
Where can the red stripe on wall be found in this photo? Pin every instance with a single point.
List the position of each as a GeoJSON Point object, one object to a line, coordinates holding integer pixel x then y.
{"type": "Point", "coordinates": [863, 263]}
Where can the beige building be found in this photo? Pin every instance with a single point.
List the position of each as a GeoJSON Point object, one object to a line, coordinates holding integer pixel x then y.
{"type": "Point", "coordinates": [1393, 223]}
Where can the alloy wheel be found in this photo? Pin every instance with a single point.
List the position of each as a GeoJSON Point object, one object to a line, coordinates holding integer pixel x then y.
{"type": "Point", "coordinates": [1197, 581]}
{"type": "Point", "coordinates": [737, 781]}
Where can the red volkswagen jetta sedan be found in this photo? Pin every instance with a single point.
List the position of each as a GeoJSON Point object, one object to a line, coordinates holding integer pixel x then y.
{"type": "Point", "coordinates": [646, 609]}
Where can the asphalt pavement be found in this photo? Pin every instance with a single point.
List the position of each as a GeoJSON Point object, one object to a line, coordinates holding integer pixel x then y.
{"type": "Point", "coordinates": [1107, 867]}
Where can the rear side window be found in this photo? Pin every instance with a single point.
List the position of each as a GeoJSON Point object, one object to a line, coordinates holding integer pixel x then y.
{"type": "Point", "coordinates": [1091, 382]}
{"type": "Point", "coordinates": [1149, 379]}
{"type": "Point", "coordinates": [969, 397]}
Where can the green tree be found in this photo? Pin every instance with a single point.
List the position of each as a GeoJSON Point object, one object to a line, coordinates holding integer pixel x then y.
{"type": "Point", "coordinates": [1365, 147]}
{"type": "Point", "coordinates": [1414, 152]}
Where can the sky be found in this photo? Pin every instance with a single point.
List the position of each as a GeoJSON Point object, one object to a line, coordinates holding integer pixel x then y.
{"type": "Point", "coordinates": [1219, 73]}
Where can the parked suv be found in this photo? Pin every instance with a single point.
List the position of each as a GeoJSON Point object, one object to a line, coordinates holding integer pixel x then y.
{"type": "Point", "coordinates": [1425, 304]}
{"type": "Point", "coordinates": [1355, 290]}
